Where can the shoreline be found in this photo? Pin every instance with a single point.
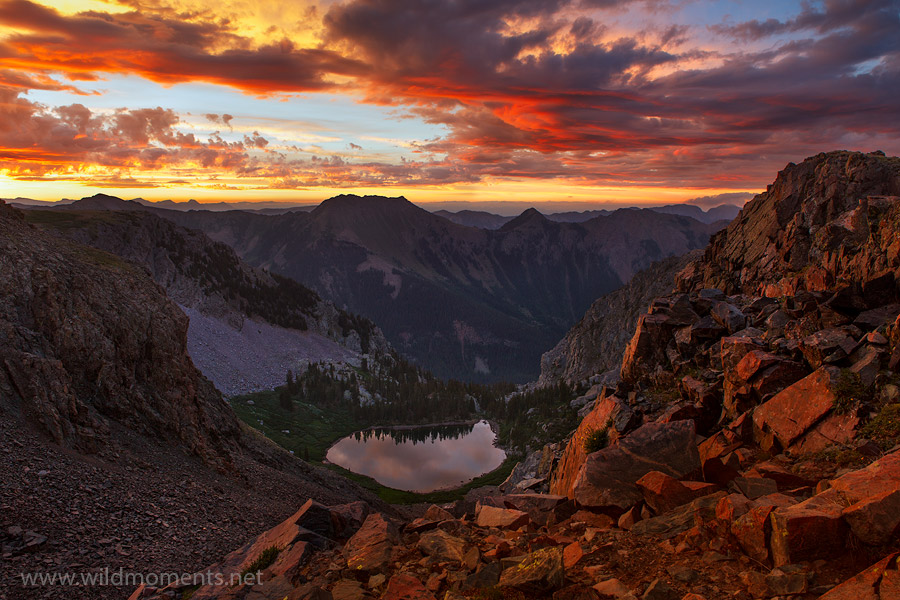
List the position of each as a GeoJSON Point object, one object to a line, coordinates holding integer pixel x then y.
{"type": "Point", "coordinates": [507, 454]}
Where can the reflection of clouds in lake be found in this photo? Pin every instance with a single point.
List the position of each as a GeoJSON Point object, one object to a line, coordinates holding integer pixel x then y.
{"type": "Point", "coordinates": [420, 466]}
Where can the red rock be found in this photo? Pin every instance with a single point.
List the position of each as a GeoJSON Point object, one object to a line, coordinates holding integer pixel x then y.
{"type": "Point", "coordinates": [663, 493]}
{"type": "Point", "coordinates": [819, 346]}
{"type": "Point", "coordinates": [732, 506]}
{"type": "Point", "coordinates": [786, 480]}
{"type": "Point", "coordinates": [629, 518]}
{"type": "Point", "coordinates": [734, 348]}
{"type": "Point", "coordinates": [777, 377]}
{"type": "Point", "coordinates": [607, 409]}
{"type": "Point", "coordinates": [728, 316]}
{"type": "Point", "coordinates": [503, 518]}
{"type": "Point", "coordinates": [647, 347]}
{"type": "Point", "coordinates": [291, 559]}
{"type": "Point", "coordinates": [540, 572]}
{"type": "Point", "coordinates": [717, 445]}
{"type": "Point", "coordinates": [572, 554]}
{"type": "Point", "coordinates": [406, 587]}
{"type": "Point", "coordinates": [833, 429]}
{"type": "Point", "coordinates": [753, 362]}
{"type": "Point", "coordinates": [436, 513]}
{"type": "Point", "coordinates": [752, 529]}
{"type": "Point", "coordinates": [875, 520]}
{"type": "Point", "coordinates": [442, 546]}
{"type": "Point", "coordinates": [371, 548]}
{"type": "Point", "coordinates": [543, 509]}
{"type": "Point", "coordinates": [591, 519]}
{"type": "Point", "coordinates": [807, 531]}
{"type": "Point", "coordinates": [716, 471]}
{"type": "Point", "coordinates": [607, 479]}
{"type": "Point", "coordinates": [612, 588]}
{"type": "Point", "coordinates": [793, 411]}
{"type": "Point", "coordinates": [881, 581]}
{"type": "Point", "coordinates": [755, 487]}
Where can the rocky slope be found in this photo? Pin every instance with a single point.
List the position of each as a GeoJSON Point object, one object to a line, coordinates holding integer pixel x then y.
{"type": "Point", "coordinates": [823, 225]}
{"type": "Point", "coordinates": [462, 301]}
{"type": "Point", "coordinates": [596, 343]}
{"type": "Point", "coordinates": [248, 327]}
{"type": "Point", "coordinates": [105, 421]}
{"type": "Point", "coordinates": [752, 441]}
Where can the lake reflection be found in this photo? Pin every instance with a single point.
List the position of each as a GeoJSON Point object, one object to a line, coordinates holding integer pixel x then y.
{"type": "Point", "coordinates": [421, 459]}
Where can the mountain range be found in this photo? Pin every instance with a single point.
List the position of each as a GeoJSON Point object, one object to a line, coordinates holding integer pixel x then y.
{"type": "Point", "coordinates": [463, 301]}
{"type": "Point", "coordinates": [247, 327]}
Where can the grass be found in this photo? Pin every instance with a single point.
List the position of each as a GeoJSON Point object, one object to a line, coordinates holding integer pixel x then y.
{"type": "Point", "coordinates": [849, 392]}
{"type": "Point", "coordinates": [265, 560]}
{"type": "Point", "coordinates": [596, 440]}
{"type": "Point", "coordinates": [884, 428]}
{"type": "Point", "coordinates": [312, 429]}
{"type": "Point", "coordinates": [309, 427]}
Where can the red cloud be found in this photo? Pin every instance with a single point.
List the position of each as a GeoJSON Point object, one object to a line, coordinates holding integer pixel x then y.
{"type": "Point", "coordinates": [552, 99]}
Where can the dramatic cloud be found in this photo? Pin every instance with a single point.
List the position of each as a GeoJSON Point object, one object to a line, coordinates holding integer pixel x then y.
{"type": "Point", "coordinates": [568, 90]}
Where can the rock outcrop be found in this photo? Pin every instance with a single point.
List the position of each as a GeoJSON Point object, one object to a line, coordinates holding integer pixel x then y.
{"type": "Point", "coordinates": [89, 339]}
{"type": "Point", "coordinates": [825, 224]}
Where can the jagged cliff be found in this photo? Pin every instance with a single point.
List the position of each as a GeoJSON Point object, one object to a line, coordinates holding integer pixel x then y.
{"type": "Point", "coordinates": [826, 224]}
{"type": "Point", "coordinates": [595, 344]}
{"type": "Point", "coordinates": [89, 338]}
{"type": "Point", "coordinates": [248, 327]}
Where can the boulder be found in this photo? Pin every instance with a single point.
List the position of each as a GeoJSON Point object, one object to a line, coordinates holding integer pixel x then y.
{"type": "Point", "coordinates": [541, 572]}
{"type": "Point", "coordinates": [875, 520]}
{"type": "Point", "coordinates": [833, 429]}
{"type": "Point", "coordinates": [755, 487]}
{"type": "Point", "coordinates": [609, 410]}
{"type": "Point", "coordinates": [613, 588]}
{"type": "Point", "coordinates": [810, 530]}
{"type": "Point", "coordinates": [679, 520]}
{"type": "Point", "coordinates": [881, 581]}
{"type": "Point", "coordinates": [877, 317]}
{"type": "Point", "coordinates": [348, 518]}
{"type": "Point", "coordinates": [348, 589]}
{"type": "Point", "coordinates": [826, 345]}
{"type": "Point", "coordinates": [792, 412]}
{"type": "Point", "coordinates": [543, 509]}
{"type": "Point", "coordinates": [663, 492]}
{"type": "Point", "coordinates": [503, 518]}
{"type": "Point", "coordinates": [442, 546]}
{"type": "Point", "coordinates": [660, 590]}
{"type": "Point", "coordinates": [317, 518]}
{"type": "Point", "coordinates": [608, 477]}
{"type": "Point", "coordinates": [728, 316]}
{"type": "Point", "coordinates": [752, 529]}
{"type": "Point", "coordinates": [406, 587]}
{"type": "Point", "coordinates": [370, 550]}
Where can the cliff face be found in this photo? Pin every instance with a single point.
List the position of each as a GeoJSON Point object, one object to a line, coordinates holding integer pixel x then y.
{"type": "Point", "coordinates": [827, 223]}
{"type": "Point", "coordinates": [595, 344]}
{"type": "Point", "coordinates": [88, 338]}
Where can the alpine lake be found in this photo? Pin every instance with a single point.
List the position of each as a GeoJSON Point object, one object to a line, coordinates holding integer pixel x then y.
{"type": "Point", "coordinates": [420, 459]}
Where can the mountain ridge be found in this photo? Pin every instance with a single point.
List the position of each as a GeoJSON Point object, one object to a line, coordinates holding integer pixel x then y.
{"type": "Point", "coordinates": [464, 302]}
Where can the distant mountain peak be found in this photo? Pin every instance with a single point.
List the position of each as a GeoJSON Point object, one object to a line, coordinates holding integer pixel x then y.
{"type": "Point", "coordinates": [531, 217]}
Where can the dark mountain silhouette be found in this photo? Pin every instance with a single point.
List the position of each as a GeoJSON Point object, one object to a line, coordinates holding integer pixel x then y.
{"type": "Point", "coordinates": [462, 301]}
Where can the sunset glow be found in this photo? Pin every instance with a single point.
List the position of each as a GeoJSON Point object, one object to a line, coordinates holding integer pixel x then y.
{"type": "Point", "coordinates": [578, 101]}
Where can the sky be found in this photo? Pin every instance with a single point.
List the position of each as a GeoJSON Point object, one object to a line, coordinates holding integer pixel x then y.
{"type": "Point", "coordinates": [595, 102]}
